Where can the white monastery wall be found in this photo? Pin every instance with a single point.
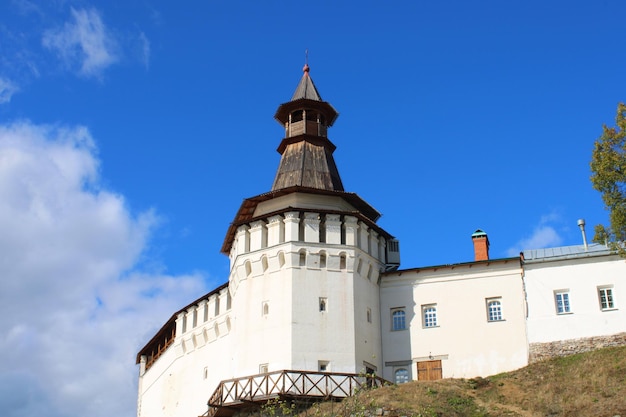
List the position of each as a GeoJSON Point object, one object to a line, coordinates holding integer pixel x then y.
{"type": "Point", "coordinates": [323, 315]}
{"type": "Point", "coordinates": [261, 308]}
{"type": "Point", "coordinates": [184, 376]}
{"type": "Point", "coordinates": [581, 279]}
{"type": "Point", "coordinates": [464, 338]}
{"type": "Point", "coordinates": [304, 286]}
{"type": "Point", "coordinates": [367, 322]}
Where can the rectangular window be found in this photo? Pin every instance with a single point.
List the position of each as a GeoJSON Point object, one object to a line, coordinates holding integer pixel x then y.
{"type": "Point", "coordinates": [605, 295]}
{"type": "Point", "coordinates": [494, 309]}
{"type": "Point", "coordinates": [398, 319]}
{"type": "Point", "coordinates": [323, 303]}
{"type": "Point", "coordinates": [323, 366]}
{"type": "Point", "coordinates": [429, 315]}
{"type": "Point", "coordinates": [369, 315]}
{"type": "Point", "coordinates": [561, 300]}
{"type": "Point", "coordinates": [263, 368]}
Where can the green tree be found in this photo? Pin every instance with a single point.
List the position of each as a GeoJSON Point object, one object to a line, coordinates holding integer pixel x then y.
{"type": "Point", "coordinates": [608, 176]}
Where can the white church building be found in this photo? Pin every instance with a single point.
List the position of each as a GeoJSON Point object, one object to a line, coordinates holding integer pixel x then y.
{"type": "Point", "coordinates": [315, 296]}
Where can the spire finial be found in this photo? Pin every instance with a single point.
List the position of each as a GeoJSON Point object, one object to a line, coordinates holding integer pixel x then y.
{"type": "Point", "coordinates": [306, 62]}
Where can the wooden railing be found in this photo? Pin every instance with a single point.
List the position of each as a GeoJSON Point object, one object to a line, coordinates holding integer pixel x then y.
{"type": "Point", "coordinates": [294, 384]}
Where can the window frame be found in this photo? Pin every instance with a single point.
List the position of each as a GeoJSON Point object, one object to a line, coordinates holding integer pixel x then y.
{"type": "Point", "coordinates": [606, 292]}
{"type": "Point", "coordinates": [323, 304]}
{"type": "Point", "coordinates": [562, 305]}
{"type": "Point", "coordinates": [494, 314]}
{"type": "Point", "coordinates": [406, 377]}
{"type": "Point", "coordinates": [429, 316]}
{"type": "Point", "coordinates": [396, 312]}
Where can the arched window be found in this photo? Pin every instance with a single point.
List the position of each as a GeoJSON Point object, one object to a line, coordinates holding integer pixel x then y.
{"type": "Point", "coordinates": [322, 259]}
{"type": "Point", "coordinates": [342, 261]}
{"type": "Point", "coordinates": [248, 268]}
{"type": "Point", "coordinates": [401, 376]}
{"type": "Point", "coordinates": [264, 263]}
{"type": "Point", "coordinates": [302, 261]}
{"type": "Point", "coordinates": [281, 259]}
{"type": "Point", "coordinates": [494, 309]}
{"type": "Point", "coordinates": [398, 319]}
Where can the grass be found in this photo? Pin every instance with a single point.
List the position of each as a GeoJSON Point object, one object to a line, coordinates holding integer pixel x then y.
{"type": "Point", "coordinates": [591, 384]}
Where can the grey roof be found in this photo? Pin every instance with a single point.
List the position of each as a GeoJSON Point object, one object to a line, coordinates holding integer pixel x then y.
{"type": "Point", "coordinates": [565, 252]}
{"type": "Point", "coordinates": [306, 89]}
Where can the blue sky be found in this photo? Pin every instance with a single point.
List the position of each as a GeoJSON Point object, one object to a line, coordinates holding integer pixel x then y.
{"type": "Point", "coordinates": [130, 132]}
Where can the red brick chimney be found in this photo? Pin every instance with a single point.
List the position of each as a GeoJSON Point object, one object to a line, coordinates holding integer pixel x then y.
{"type": "Point", "coordinates": [481, 245]}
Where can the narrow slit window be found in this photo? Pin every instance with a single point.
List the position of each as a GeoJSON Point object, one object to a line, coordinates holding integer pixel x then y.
{"type": "Point", "coordinates": [342, 261]}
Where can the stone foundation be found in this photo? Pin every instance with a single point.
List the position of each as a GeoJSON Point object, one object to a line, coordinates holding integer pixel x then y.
{"type": "Point", "coordinates": [541, 351]}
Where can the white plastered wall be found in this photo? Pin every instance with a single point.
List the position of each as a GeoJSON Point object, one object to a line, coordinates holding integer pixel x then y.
{"type": "Point", "coordinates": [581, 278]}
{"type": "Point", "coordinates": [464, 340]}
{"type": "Point", "coordinates": [182, 379]}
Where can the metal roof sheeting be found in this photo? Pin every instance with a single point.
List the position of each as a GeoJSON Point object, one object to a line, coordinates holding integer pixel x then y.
{"type": "Point", "coordinates": [565, 252]}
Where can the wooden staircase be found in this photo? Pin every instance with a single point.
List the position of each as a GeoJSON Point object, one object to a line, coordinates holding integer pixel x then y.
{"type": "Point", "coordinates": [236, 394]}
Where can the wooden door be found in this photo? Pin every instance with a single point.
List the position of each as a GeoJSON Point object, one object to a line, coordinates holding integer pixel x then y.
{"type": "Point", "coordinates": [429, 370]}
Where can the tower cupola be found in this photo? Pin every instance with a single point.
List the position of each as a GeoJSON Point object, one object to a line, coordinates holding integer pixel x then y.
{"type": "Point", "coordinates": [306, 152]}
{"type": "Point", "coordinates": [306, 113]}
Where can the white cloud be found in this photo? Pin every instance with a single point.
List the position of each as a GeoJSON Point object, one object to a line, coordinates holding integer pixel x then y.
{"type": "Point", "coordinates": [84, 42]}
{"type": "Point", "coordinates": [543, 236]}
{"type": "Point", "coordinates": [74, 307]}
{"type": "Point", "coordinates": [7, 89]}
